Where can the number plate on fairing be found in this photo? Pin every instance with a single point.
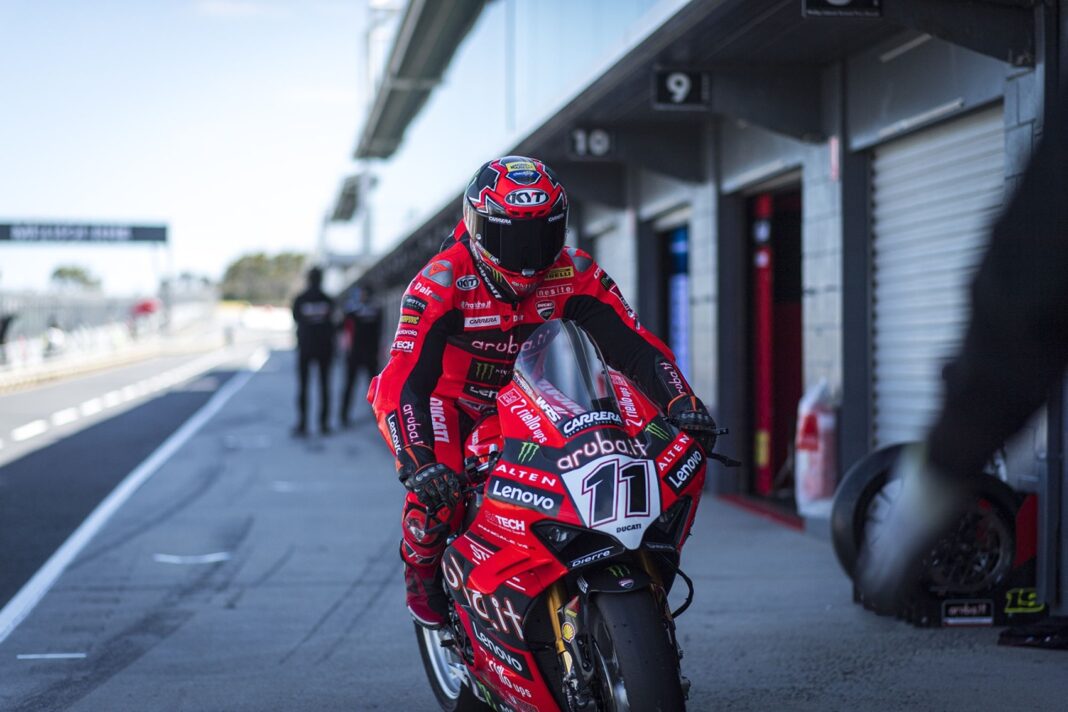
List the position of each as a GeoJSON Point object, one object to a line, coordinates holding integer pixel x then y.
{"type": "Point", "coordinates": [617, 495]}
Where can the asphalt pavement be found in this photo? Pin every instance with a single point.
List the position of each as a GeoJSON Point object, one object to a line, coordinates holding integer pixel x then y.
{"type": "Point", "coordinates": [254, 571]}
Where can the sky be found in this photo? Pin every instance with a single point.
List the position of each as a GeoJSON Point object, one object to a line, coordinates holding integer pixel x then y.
{"type": "Point", "coordinates": [232, 121]}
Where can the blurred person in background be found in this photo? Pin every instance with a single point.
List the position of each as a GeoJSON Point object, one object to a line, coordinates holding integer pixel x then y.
{"type": "Point", "coordinates": [313, 313]}
{"type": "Point", "coordinates": [1014, 353]}
{"type": "Point", "coordinates": [362, 326]}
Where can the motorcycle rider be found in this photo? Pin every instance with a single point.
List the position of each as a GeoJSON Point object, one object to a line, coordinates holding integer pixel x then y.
{"type": "Point", "coordinates": [504, 271]}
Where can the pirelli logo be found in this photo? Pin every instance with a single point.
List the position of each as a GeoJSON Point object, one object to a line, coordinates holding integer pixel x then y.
{"type": "Point", "coordinates": [560, 273]}
{"type": "Point", "coordinates": [487, 372]}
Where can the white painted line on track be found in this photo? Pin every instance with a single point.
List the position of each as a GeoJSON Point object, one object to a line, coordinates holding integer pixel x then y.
{"type": "Point", "coordinates": [91, 407]}
{"type": "Point", "coordinates": [129, 393]}
{"type": "Point", "coordinates": [34, 590]}
{"type": "Point", "coordinates": [51, 656]}
{"type": "Point", "coordinates": [29, 430]}
{"type": "Point", "coordinates": [112, 399]}
{"type": "Point", "coordinates": [192, 559]}
{"type": "Point", "coordinates": [62, 417]}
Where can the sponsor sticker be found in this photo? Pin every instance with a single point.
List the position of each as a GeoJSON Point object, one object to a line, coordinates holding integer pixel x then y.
{"type": "Point", "coordinates": [406, 332]}
{"type": "Point", "coordinates": [524, 496]}
{"type": "Point", "coordinates": [405, 345]}
{"type": "Point", "coordinates": [591, 557]}
{"type": "Point", "coordinates": [414, 303]}
{"type": "Point", "coordinates": [545, 309]}
{"type": "Point", "coordinates": [480, 322]}
{"type": "Point", "coordinates": [590, 420]}
{"type": "Point", "coordinates": [685, 472]}
{"type": "Point", "coordinates": [512, 524]}
{"type": "Point", "coordinates": [485, 393]}
{"type": "Point", "coordinates": [394, 431]}
{"type": "Point", "coordinates": [968, 612]}
{"type": "Point", "coordinates": [439, 272]}
{"type": "Point", "coordinates": [409, 319]}
{"type": "Point", "coordinates": [558, 291]}
{"type": "Point", "coordinates": [559, 273]}
{"type": "Point", "coordinates": [438, 421]}
{"type": "Point", "coordinates": [467, 283]}
{"type": "Point", "coordinates": [527, 197]}
{"type": "Point", "coordinates": [509, 397]}
{"type": "Point", "coordinates": [489, 372]}
{"type": "Point", "coordinates": [475, 305]}
{"type": "Point", "coordinates": [1023, 600]}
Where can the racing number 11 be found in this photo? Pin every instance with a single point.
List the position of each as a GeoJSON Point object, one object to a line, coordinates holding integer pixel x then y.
{"type": "Point", "coordinates": [603, 484]}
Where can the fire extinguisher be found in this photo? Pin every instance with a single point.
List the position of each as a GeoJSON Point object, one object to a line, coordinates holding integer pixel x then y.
{"type": "Point", "coordinates": [816, 464]}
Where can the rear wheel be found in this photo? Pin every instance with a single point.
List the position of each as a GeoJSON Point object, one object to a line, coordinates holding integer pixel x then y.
{"type": "Point", "coordinates": [446, 673]}
{"type": "Point", "coordinates": [637, 662]}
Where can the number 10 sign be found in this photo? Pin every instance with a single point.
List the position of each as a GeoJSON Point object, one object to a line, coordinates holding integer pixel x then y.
{"type": "Point", "coordinates": [680, 89]}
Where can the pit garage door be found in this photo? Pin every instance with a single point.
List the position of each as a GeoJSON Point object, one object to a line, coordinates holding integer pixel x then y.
{"type": "Point", "coordinates": [934, 195]}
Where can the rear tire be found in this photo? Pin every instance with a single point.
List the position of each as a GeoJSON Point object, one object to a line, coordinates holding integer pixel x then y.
{"type": "Point", "coordinates": [638, 663]}
{"type": "Point", "coordinates": [444, 673]}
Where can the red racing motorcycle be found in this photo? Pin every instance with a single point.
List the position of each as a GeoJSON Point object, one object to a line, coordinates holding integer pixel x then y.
{"type": "Point", "coordinates": [582, 496]}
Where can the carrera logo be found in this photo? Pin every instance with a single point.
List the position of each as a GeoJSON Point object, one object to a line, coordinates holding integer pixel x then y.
{"type": "Point", "coordinates": [558, 291]}
{"type": "Point", "coordinates": [414, 303]}
{"type": "Point", "coordinates": [559, 273]}
{"type": "Point", "coordinates": [467, 283]}
{"type": "Point", "coordinates": [527, 197]}
{"type": "Point", "coordinates": [409, 319]}
{"type": "Point", "coordinates": [479, 322]}
{"type": "Point", "coordinates": [405, 345]}
{"type": "Point", "coordinates": [546, 309]}
{"type": "Point", "coordinates": [589, 420]}
{"type": "Point", "coordinates": [529, 497]}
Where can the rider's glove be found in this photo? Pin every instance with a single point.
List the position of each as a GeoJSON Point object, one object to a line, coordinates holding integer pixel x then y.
{"type": "Point", "coordinates": [436, 486]}
{"type": "Point", "coordinates": [689, 414]}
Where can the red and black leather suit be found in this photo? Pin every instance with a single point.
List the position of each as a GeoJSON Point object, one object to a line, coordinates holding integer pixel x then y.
{"type": "Point", "coordinates": [455, 346]}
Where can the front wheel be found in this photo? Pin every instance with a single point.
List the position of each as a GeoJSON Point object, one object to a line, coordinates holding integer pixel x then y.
{"type": "Point", "coordinates": [637, 662]}
{"type": "Point", "coordinates": [446, 674]}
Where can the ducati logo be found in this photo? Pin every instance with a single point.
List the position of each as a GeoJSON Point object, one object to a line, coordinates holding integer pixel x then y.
{"type": "Point", "coordinates": [546, 309]}
{"type": "Point", "coordinates": [527, 197]}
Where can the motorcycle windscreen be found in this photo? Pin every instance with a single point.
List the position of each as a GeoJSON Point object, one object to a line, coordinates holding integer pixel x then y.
{"type": "Point", "coordinates": [613, 483]}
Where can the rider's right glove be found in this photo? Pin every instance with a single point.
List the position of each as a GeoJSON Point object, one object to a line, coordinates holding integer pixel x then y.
{"type": "Point", "coordinates": [689, 414]}
{"type": "Point", "coordinates": [436, 486]}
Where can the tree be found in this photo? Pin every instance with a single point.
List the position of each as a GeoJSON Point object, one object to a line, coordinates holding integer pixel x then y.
{"type": "Point", "coordinates": [75, 277]}
{"type": "Point", "coordinates": [263, 279]}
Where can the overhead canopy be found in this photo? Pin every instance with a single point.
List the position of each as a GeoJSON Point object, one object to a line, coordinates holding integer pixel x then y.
{"type": "Point", "coordinates": [428, 36]}
{"type": "Point", "coordinates": [765, 63]}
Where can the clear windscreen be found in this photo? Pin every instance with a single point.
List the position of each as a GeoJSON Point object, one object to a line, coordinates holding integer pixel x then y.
{"type": "Point", "coordinates": [559, 364]}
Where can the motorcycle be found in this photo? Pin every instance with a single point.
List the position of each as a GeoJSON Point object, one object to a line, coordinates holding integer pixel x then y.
{"type": "Point", "coordinates": [581, 497]}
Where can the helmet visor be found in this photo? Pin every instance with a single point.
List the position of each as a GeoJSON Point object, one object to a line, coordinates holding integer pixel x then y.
{"type": "Point", "coordinates": [522, 244]}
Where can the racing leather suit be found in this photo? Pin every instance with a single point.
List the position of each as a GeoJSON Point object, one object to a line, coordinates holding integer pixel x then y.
{"type": "Point", "coordinates": [456, 344]}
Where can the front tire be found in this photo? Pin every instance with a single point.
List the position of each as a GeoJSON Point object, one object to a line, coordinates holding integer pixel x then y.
{"type": "Point", "coordinates": [445, 673]}
{"type": "Point", "coordinates": [637, 661]}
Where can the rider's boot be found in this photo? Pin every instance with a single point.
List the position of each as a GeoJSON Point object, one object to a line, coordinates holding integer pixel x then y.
{"type": "Point", "coordinates": [426, 599]}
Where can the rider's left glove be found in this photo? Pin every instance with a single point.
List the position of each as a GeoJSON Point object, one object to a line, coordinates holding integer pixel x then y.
{"type": "Point", "coordinates": [689, 414]}
{"type": "Point", "coordinates": [436, 486]}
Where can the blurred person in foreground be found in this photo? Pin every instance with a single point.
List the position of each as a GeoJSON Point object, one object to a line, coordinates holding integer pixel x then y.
{"type": "Point", "coordinates": [362, 326]}
{"type": "Point", "coordinates": [313, 313]}
{"type": "Point", "coordinates": [1014, 353]}
{"type": "Point", "coordinates": [464, 317]}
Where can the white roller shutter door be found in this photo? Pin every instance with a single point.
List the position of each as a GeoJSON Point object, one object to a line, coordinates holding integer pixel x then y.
{"type": "Point", "coordinates": [934, 196]}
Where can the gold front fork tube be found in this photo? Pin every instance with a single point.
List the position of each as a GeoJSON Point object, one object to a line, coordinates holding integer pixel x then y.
{"type": "Point", "coordinates": [555, 601]}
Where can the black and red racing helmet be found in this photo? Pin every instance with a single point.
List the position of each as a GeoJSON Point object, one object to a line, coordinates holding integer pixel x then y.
{"type": "Point", "coordinates": [515, 212]}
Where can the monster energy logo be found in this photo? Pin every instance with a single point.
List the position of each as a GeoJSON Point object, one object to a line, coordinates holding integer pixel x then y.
{"type": "Point", "coordinates": [494, 374]}
{"type": "Point", "coordinates": [527, 452]}
{"type": "Point", "coordinates": [657, 432]}
{"type": "Point", "coordinates": [618, 570]}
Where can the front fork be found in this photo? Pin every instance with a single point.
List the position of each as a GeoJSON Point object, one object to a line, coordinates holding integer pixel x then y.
{"type": "Point", "coordinates": [570, 624]}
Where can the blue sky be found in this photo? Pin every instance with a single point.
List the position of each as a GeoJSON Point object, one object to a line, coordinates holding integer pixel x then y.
{"type": "Point", "coordinates": [230, 120]}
